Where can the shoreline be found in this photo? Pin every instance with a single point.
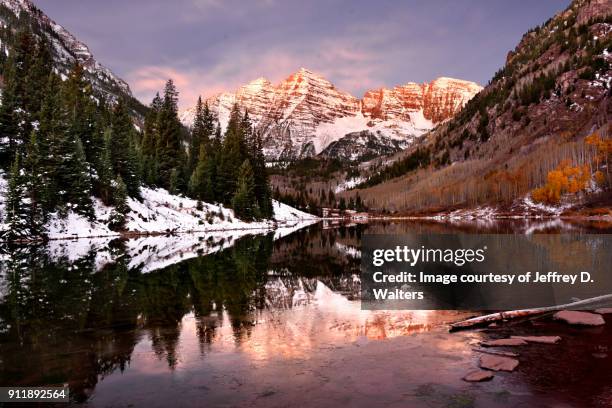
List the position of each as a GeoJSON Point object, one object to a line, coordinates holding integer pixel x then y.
{"type": "Point", "coordinates": [274, 225]}
{"type": "Point", "coordinates": [135, 234]}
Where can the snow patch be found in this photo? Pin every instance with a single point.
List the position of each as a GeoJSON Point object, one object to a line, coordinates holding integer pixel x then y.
{"type": "Point", "coordinates": [348, 184]}
{"type": "Point", "coordinates": [160, 212]}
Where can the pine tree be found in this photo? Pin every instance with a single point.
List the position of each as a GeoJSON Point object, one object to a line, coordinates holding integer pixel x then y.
{"type": "Point", "coordinates": [52, 128]}
{"type": "Point", "coordinates": [244, 202]}
{"type": "Point", "coordinates": [105, 180]}
{"type": "Point", "coordinates": [197, 136]}
{"type": "Point", "coordinates": [150, 142]}
{"type": "Point", "coordinates": [120, 200]}
{"type": "Point", "coordinates": [174, 183]}
{"type": "Point", "coordinates": [262, 184]}
{"type": "Point", "coordinates": [74, 178]}
{"type": "Point", "coordinates": [151, 132]}
{"type": "Point", "coordinates": [201, 181]}
{"type": "Point", "coordinates": [17, 217]}
{"type": "Point", "coordinates": [123, 149]}
{"type": "Point", "coordinates": [214, 165]}
{"type": "Point", "coordinates": [34, 189]}
{"type": "Point", "coordinates": [8, 119]}
{"type": "Point", "coordinates": [170, 152]}
{"type": "Point", "coordinates": [15, 115]}
{"type": "Point", "coordinates": [233, 154]}
{"type": "Point", "coordinates": [37, 77]}
{"type": "Point", "coordinates": [82, 115]}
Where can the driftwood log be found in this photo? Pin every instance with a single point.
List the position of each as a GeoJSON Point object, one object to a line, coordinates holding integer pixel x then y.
{"type": "Point", "coordinates": [591, 303]}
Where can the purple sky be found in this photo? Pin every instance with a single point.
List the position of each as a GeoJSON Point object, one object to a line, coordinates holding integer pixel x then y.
{"type": "Point", "coordinates": [208, 46]}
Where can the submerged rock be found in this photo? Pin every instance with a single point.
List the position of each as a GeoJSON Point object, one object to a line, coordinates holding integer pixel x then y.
{"type": "Point", "coordinates": [504, 342]}
{"type": "Point", "coordinates": [496, 352]}
{"type": "Point", "coordinates": [498, 363]}
{"type": "Point", "coordinates": [580, 318]}
{"type": "Point", "coordinates": [539, 339]}
{"type": "Point", "coordinates": [478, 376]}
{"type": "Point", "coordinates": [604, 310]}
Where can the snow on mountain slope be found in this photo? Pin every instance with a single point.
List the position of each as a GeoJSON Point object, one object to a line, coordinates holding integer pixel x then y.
{"type": "Point", "coordinates": [286, 213]}
{"type": "Point", "coordinates": [363, 146]}
{"type": "Point", "coordinates": [305, 113]}
{"type": "Point", "coordinates": [67, 48]}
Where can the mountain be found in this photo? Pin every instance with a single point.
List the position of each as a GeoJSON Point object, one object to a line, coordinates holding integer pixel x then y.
{"type": "Point", "coordinates": [361, 146]}
{"type": "Point", "coordinates": [438, 100]}
{"type": "Point", "coordinates": [305, 113]}
{"type": "Point", "coordinates": [66, 49]}
{"type": "Point", "coordinates": [537, 135]}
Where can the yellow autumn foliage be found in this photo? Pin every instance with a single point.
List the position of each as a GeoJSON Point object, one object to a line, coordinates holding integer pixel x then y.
{"type": "Point", "coordinates": [565, 179]}
{"type": "Point", "coordinates": [603, 146]}
{"type": "Point", "coordinates": [604, 151]}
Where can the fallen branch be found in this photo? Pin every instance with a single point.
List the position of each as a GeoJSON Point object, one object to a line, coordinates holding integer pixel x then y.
{"type": "Point", "coordinates": [514, 314]}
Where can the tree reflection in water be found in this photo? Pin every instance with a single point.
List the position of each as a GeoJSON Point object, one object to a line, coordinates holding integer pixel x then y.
{"type": "Point", "coordinates": [64, 322]}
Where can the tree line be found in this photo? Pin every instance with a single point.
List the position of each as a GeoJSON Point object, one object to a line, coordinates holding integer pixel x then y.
{"type": "Point", "coordinates": [62, 143]}
{"type": "Point", "coordinates": [228, 169]}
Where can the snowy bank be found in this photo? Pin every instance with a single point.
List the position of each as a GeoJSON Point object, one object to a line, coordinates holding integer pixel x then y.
{"type": "Point", "coordinates": [153, 252]}
{"type": "Point", "coordinates": [160, 212]}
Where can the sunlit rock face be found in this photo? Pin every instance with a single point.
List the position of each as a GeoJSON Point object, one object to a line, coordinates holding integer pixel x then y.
{"type": "Point", "coordinates": [305, 113]}
{"type": "Point", "coordinates": [438, 100]}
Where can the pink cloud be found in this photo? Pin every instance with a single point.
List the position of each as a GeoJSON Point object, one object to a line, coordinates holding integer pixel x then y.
{"type": "Point", "coordinates": [227, 75]}
{"type": "Point", "coordinates": [350, 69]}
{"type": "Point", "coordinates": [148, 80]}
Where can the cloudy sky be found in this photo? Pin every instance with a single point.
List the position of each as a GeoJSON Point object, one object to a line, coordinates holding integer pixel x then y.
{"type": "Point", "coordinates": [208, 46]}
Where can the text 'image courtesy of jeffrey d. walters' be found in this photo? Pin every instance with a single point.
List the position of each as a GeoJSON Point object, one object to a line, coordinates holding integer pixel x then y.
{"type": "Point", "coordinates": [483, 272]}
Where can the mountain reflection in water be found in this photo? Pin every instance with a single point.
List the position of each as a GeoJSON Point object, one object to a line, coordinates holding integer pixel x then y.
{"type": "Point", "coordinates": [105, 319]}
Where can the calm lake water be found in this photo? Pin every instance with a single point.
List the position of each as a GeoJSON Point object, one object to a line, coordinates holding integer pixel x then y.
{"type": "Point", "coordinates": [266, 320]}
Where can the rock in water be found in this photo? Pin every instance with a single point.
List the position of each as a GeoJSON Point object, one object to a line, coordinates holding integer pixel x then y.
{"type": "Point", "coordinates": [498, 363]}
{"type": "Point", "coordinates": [478, 376]}
{"type": "Point", "coordinates": [504, 342]}
{"type": "Point", "coordinates": [539, 339]}
{"type": "Point", "coordinates": [580, 318]}
{"type": "Point", "coordinates": [496, 352]}
{"type": "Point", "coordinates": [604, 310]}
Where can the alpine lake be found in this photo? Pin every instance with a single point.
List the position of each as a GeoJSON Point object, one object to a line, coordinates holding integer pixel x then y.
{"type": "Point", "coordinates": [268, 320]}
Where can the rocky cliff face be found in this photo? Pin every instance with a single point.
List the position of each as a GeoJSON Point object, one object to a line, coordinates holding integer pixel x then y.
{"type": "Point", "coordinates": [66, 47]}
{"type": "Point", "coordinates": [362, 146]}
{"type": "Point", "coordinates": [438, 100]}
{"type": "Point", "coordinates": [305, 113]}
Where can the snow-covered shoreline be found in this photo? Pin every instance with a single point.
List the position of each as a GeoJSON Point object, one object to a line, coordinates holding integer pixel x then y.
{"type": "Point", "coordinates": [162, 213]}
{"type": "Point", "coordinates": [152, 252]}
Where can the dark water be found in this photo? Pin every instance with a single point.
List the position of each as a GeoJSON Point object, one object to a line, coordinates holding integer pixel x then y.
{"type": "Point", "coordinates": [256, 321]}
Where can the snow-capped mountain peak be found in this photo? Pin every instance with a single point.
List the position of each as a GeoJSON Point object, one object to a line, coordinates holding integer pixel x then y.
{"type": "Point", "coordinates": [302, 114]}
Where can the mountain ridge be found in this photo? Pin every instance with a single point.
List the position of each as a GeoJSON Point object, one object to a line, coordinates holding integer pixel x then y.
{"type": "Point", "coordinates": [66, 49]}
{"type": "Point", "coordinates": [302, 114]}
{"type": "Point", "coordinates": [543, 111]}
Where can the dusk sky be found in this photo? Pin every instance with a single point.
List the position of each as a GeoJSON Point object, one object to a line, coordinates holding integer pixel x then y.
{"type": "Point", "coordinates": [208, 46]}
